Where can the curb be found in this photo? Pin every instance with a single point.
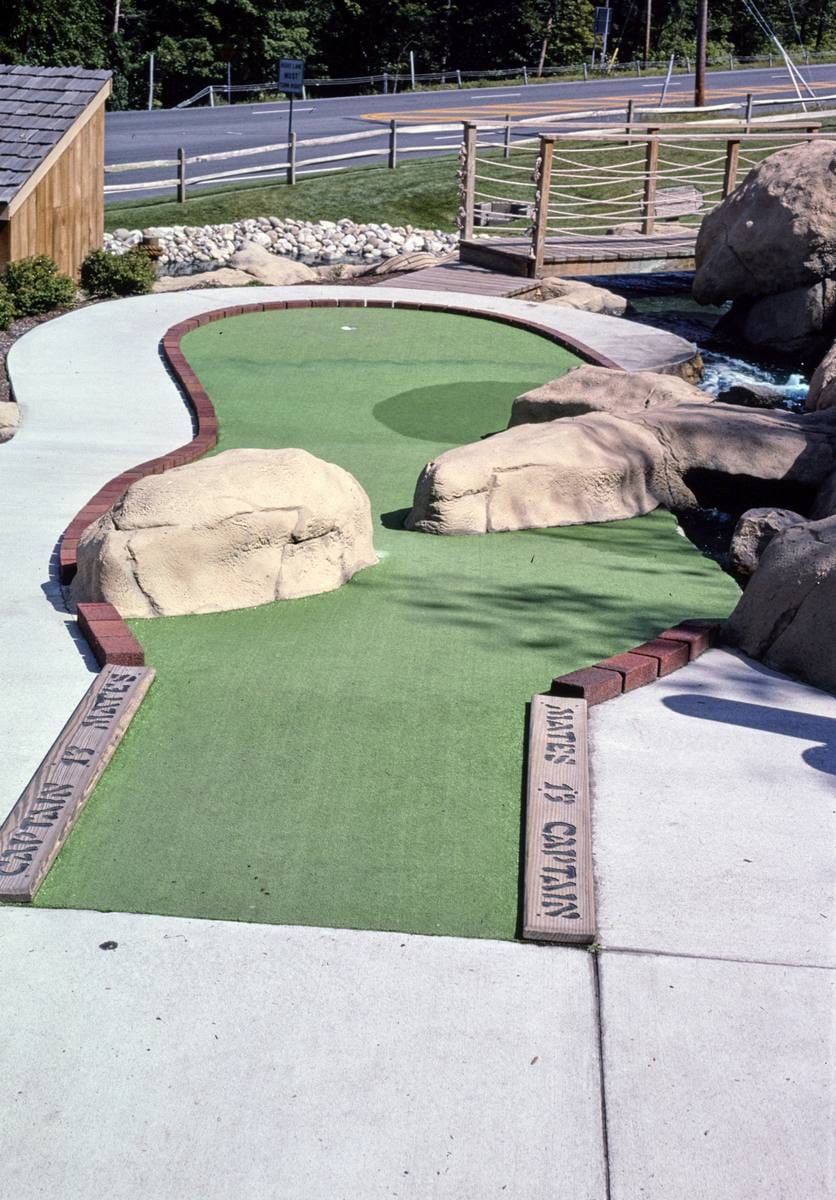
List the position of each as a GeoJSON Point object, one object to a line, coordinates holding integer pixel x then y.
{"type": "Point", "coordinates": [667, 652]}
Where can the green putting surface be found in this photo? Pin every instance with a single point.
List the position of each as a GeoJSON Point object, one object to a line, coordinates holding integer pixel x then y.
{"type": "Point", "coordinates": [355, 759]}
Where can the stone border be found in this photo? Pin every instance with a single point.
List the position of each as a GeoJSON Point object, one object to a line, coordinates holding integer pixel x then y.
{"type": "Point", "coordinates": [668, 651]}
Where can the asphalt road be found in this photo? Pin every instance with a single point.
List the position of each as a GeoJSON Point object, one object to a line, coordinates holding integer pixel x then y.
{"type": "Point", "coordinates": [140, 136]}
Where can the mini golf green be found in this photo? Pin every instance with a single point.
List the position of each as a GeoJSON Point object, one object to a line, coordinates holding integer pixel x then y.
{"type": "Point", "coordinates": [355, 759]}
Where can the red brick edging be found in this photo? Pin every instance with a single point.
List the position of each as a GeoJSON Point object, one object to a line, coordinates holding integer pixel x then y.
{"type": "Point", "coordinates": [668, 651]}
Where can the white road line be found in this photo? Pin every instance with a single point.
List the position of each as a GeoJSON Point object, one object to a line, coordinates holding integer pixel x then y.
{"type": "Point", "coordinates": [270, 112]}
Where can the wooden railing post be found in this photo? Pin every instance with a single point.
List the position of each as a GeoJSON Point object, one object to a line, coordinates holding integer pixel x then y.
{"type": "Point", "coordinates": [730, 171]}
{"type": "Point", "coordinates": [468, 180]}
{"type": "Point", "coordinates": [506, 149]}
{"type": "Point", "coordinates": [628, 128]}
{"type": "Point", "coordinates": [181, 175]}
{"type": "Point", "coordinates": [541, 211]}
{"type": "Point", "coordinates": [651, 166]}
{"type": "Point", "coordinates": [291, 160]}
{"type": "Point", "coordinates": [814, 129]}
{"type": "Point", "coordinates": [393, 145]}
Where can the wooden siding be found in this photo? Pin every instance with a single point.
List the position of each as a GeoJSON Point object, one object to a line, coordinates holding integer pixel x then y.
{"type": "Point", "coordinates": [64, 215]}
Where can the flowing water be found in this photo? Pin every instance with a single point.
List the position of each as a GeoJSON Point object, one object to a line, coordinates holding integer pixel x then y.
{"type": "Point", "coordinates": [665, 302]}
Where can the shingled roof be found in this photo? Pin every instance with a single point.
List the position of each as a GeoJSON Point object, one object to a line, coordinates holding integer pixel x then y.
{"type": "Point", "coordinates": [37, 107]}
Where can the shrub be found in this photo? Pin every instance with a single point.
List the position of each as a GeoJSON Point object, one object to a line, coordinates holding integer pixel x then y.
{"type": "Point", "coordinates": [7, 308]}
{"type": "Point", "coordinates": [128, 274]}
{"type": "Point", "coordinates": [35, 286]}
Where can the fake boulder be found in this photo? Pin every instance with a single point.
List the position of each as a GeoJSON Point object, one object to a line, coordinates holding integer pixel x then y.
{"type": "Point", "coordinates": [243, 528]}
{"type": "Point", "coordinates": [269, 268]}
{"type": "Point", "coordinates": [603, 467]}
{"type": "Point", "coordinates": [599, 389]}
{"type": "Point", "coordinates": [786, 617]}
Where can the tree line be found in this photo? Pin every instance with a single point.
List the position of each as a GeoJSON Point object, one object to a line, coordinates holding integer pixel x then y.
{"type": "Point", "coordinates": [193, 40]}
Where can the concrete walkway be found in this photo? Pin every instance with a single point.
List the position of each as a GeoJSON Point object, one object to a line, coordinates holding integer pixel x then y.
{"type": "Point", "coordinates": [692, 1056]}
{"type": "Point", "coordinates": [95, 400]}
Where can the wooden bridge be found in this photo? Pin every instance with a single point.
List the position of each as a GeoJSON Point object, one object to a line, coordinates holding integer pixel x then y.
{"type": "Point", "coordinates": [602, 202]}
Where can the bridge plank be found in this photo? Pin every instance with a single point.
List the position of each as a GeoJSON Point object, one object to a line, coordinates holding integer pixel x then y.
{"type": "Point", "coordinates": [46, 811]}
{"type": "Point", "coordinates": [558, 901]}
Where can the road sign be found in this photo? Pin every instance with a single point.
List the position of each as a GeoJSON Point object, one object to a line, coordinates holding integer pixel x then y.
{"type": "Point", "coordinates": [291, 76]}
{"type": "Point", "coordinates": [603, 16]}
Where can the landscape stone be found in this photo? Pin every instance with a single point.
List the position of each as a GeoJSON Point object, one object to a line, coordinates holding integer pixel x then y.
{"type": "Point", "coordinates": [223, 277]}
{"type": "Point", "coordinates": [753, 533]}
{"type": "Point", "coordinates": [9, 419]}
{"type": "Point", "coordinates": [602, 466]}
{"type": "Point", "coordinates": [245, 527]}
{"type": "Point", "coordinates": [259, 263]}
{"type": "Point", "coordinates": [599, 389]}
{"type": "Point", "coordinates": [572, 293]}
{"type": "Point", "coordinates": [786, 617]}
{"type": "Point", "coordinates": [822, 393]}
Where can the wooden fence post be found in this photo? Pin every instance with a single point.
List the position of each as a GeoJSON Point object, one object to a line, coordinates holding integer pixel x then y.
{"type": "Point", "coordinates": [541, 212]}
{"type": "Point", "coordinates": [651, 166]}
{"type": "Point", "coordinates": [458, 79]}
{"type": "Point", "coordinates": [506, 149]}
{"type": "Point", "coordinates": [749, 102]}
{"type": "Point", "coordinates": [393, 145]}
{"type": "Point", "coordinates": [525, 76]}
{"type": "Point", "coordinates": [730, 171]}
{"type": "Point", "coordinates": [181, 175]}
{"type": "Point", "coordinates": [291, 160]}
{"type": "Point", "coordinates": [468, 180]}
{"type": "Point", "coordinates": [813, 129]}
{"type": "Point", "coordinates": [628, 128]}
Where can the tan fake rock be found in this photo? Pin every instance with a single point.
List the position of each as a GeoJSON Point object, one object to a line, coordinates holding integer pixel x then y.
{"type": "Point", "coordinates": [603, 467]}
{"type": "Point", "coordinates": [753, 533]}
{"type": "Point", "coordinates": [223, 277]}
{"type": "Point", "coordinates": [243, 528]}
{"type": "Point", "coordinates": [822, 392]}
{"type": "Point", "coordinates": [417, 260]}
{"type": "Point", "coordinates": [270, 268]}
{"type": "Point", "coordinates": [599, 389]}
{"type": "Point", "coordinates": [776, 232]}
{"type": "Point", "coordinates": [571, 293]}
{"type": "Point", "coordinates": [9, 419]}
{"type": "Point", "coordinates": [786, 617]}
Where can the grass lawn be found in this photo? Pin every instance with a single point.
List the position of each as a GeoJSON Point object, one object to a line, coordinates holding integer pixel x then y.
{"type": "Point", "coordinates": [355, 759]}
{"type": "Point", "coordinates": [421, 192]}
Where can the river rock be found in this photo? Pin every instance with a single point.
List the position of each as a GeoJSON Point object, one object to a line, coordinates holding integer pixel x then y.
{"type": "Point", "coordinates": [245, 527]}
{"type": "Point", "coordinates": [775, 232]}
{"type": "Point", "coordinates": [601, 467]}
{"type": "Point", "coordinates": [9, 419]}
{"type": "Point", "coordinates": [751, 395]}
{"type": "Point", "coordinates": [786, 617]}
{"type": "Point", "coordinates": [753, 533]}
{"type": "Point", "coordinates": [571, 293]}
{"type": "Point", "coordinates": [599, 389]}
{"type": "Point", "coordinates": [261, 264]}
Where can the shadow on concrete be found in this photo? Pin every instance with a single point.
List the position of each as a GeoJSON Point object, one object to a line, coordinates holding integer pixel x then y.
{"type": "Point", "coordinates": [786, 722]}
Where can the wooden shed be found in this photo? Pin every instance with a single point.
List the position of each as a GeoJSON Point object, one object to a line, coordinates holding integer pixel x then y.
{"type": "Point", "coordinates": [51, 163]}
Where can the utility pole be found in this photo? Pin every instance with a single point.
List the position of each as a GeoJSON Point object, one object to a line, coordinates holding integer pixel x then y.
{"type": "Point", "coordinates": [647, 20]}
{"type": "Point", "coordinates": [702, 39]}
{"type": "Point", "coordinates": [605, 37]}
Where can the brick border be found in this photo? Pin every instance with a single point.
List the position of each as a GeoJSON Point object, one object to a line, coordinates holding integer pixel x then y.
{"type": "Point", "coordinates": [667, 652]}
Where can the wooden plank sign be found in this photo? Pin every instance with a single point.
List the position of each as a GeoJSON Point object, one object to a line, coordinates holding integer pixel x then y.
{"type": "Point", "coordinates": [37, 826]}
{"type": "Point", "coordinates": [558, 904]}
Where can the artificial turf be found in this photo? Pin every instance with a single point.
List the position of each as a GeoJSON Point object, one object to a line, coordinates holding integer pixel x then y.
{"type": "Point", "coordinates": [355, 759]}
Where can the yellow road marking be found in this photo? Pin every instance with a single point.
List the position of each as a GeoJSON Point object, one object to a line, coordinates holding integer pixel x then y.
{"type": "Point", "coordinates": [533, 108]}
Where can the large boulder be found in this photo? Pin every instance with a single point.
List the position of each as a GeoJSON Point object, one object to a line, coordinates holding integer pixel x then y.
{"type": "Point", "coordinates": [601, 467]}
{"type": "Point", "coordinates": [9, 419]}
{"type": "Point", "coordinates": [776, 232]}
{"type": "Point", "coordinates": [243, 528]}
{"type": "Point", "coordinates": [600, 389]}
{"type": "Point", "coordinates": [753, 533]}
{"type": "Point", "coordinates": [586, 297]}
{"type": "Point", "coordinates": [796, 322]}
{"type": "Point", "coordinates": [222, 277]}
{"type": "Point", "coordinates": [271, 268]}
{"type": "Point", "coordinates": [786, 617]}
{"type": "Point", "coordinates": [822, 393]}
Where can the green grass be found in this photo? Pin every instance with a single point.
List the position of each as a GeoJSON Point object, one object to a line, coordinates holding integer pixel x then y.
{"type": "Point", "coordinates": [355, 759]}
{"type": "Point", "coordinates": [421, 192]}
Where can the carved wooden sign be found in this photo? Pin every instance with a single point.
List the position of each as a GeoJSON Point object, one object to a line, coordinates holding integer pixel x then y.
{"type": "Point", "coordinates": [37, 826]}
{"type": "Point", "coordinates": [559, 905]}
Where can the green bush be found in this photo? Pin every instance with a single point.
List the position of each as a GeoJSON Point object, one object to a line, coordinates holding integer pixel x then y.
{"type": "Point", "coordinates": [128, 274]}
{"type": "Point", "coordinates": [7, 308]}
{"type": "Point", "coordinates": [35, 286]}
